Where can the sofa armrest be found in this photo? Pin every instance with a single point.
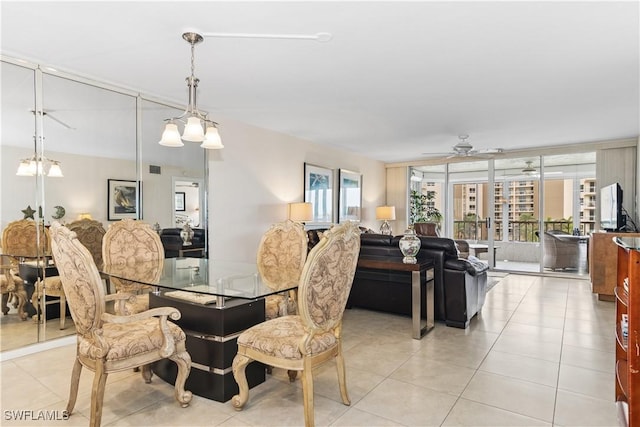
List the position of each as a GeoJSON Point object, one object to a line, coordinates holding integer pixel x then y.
{"type": "Point", "coordinates": [472, 267]}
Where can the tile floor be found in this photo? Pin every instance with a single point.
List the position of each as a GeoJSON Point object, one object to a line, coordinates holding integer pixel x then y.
{"type": "Point", "coordinates": [541, 353]}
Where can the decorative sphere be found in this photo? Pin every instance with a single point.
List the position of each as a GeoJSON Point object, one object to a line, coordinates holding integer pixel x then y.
{"type": "Point", "coordinates": [59, 212]}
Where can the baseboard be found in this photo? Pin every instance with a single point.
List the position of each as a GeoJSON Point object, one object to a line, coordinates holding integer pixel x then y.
{"type": "Point", "coordinates": [37, 348]}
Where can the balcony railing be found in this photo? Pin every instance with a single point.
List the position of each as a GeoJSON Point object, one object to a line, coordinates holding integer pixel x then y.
{"type": "Point", "coordinates": [519, 231]}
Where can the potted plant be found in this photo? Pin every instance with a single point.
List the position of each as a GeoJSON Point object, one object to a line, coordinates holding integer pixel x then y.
{"type": "Point", "coordinates": [421, 209]}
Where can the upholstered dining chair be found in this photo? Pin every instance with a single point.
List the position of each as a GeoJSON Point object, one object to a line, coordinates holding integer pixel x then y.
{"type": "Point", "coordinates": [111, 343]}
{"type": "Point", "coordinates": [303, 341]}
{"type": "Point", "coordinates": [128, 242]}
{"type": "Point", "coordinates": [22, 239]}
{"type": "Point", "coordinates": [89, 233]}
{"type": "Point", "coordinates": [281, 255]}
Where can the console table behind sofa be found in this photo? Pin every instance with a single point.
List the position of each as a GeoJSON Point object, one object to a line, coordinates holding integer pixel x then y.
{"type": "Point", "coordinates": [460, 285]}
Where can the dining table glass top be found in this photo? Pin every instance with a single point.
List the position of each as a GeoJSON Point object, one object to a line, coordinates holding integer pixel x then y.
{"type": "Point", "coordinates": [229, 279]}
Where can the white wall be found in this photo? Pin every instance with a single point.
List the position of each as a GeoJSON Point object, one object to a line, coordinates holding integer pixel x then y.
{"type": "Point", "coordinates": [258, 172]}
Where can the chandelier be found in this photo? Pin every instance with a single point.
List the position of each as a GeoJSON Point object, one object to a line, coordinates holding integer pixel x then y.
{"type": "Point", "coordinates": [193, 119]}
{"type": "Point", "coordinates": [39, 166]}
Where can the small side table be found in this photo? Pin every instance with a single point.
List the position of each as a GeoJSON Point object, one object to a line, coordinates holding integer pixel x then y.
{"type": "Point", "coordinates": [426, 266]}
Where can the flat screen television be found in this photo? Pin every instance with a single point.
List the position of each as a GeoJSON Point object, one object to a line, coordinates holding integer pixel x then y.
{"type": "Point", "coordinates": [611, 217]}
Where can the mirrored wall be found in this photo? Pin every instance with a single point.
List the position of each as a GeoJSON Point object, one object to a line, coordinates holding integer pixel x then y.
{"type": "Point", "coordinates": [99, 138]}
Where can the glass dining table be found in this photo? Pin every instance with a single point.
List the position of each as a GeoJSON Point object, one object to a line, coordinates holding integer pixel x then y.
{"type": "Point", "coordinates": [217, 301]}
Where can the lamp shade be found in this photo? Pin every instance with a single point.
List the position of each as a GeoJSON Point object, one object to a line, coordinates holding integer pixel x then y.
{"type": "Point", "coordinates": [300, 212]}
{"type": "Point", "coordinates": [212, 139]}
{"type": "Point", "coordinates": [193, 130]}
{"type": "Point", "coordinates": [387, 213]}
{"type": "Point", "coordinates": [85, 215]}
{"type": "Point", "coordinates": [55, 171]}
{"type": "Point", "coordinates": [23, 169]}
{"type": "Point", "coordinates": [171, 136]}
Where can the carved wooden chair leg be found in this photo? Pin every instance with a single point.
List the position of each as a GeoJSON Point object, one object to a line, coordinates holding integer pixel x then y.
{"type": "Point", "coordinates": [63, 310]}
{"type": "Point", "coordinates": [21, 294]}
{"type": "Point", "coordinates": [97, 396]}
{"type": "Point", "coordinates": [5, 307]}
{"type": "Point", "coordinates": [342, 378]}
{"type": "Point", "coordinates": [307, 394]}
{"type": "Point", "coordinates": [75, 382]}
{"type": "Point", "coordinates": [146, 373]}
{"type": "Point", "coordinates": [240, 363]}
{"type": "Point", "coordinates": [183, 360]}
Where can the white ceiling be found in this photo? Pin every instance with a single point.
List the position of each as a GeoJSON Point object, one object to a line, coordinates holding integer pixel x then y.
{"type": "Point", "coordinates": [397, 79]}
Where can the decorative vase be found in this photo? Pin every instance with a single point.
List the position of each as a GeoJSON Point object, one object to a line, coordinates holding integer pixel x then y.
{"type": "Point", "coordinates": [409, 246]}
{"type": "Point", "coordinates": [186, 234]}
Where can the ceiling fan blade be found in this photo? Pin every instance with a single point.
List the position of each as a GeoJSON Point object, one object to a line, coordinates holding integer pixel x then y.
{"type": "Point", "coordinates": [48, 114]}
{"type": "Point", "coordinates": [58, 120]}
{"type": "Point", "coordinates": [319, 37]}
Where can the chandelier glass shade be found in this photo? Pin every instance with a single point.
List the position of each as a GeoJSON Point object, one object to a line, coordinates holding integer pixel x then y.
{"type": "Point", "coordinates": [39, 166]}
{"type": "Point", "coordinates": [197, 125]}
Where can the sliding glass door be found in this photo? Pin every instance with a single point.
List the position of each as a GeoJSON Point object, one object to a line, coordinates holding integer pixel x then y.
{"type": "Point", "coordinates": [517, 201]}
{"type": "Point", "coordinates": [507, 208]}
{"type": "Point", "coordinates": [472, 212]}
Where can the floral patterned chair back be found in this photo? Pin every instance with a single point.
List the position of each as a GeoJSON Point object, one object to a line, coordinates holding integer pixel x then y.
{"type": "Point", "coordinates": [301, 342]}
{"type": "Point", "coordinates": [327, 278]}
{"type": "Point", "coordinates": [82, 283]}
{"type": "Point", "coordinates": [21, 238]}
{"type": "Point", "coordinates": [90, 233]}
{"type": "Point", "coordinates": [281, 256]}
{"type": "Point", "coordinates": [128, 242]}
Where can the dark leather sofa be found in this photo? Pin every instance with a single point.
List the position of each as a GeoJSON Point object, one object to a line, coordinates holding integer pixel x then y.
{"type": "Point", "coordinates": [172, 242]}
{"type": "Point", "coordinates": [459, 284]}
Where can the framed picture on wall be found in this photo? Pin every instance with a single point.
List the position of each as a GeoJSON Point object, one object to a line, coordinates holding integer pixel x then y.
{"type": "Point", "coordinates": [124, 199]}
{"type": "Point", "coordinates": [350, 196]}
{"type": "Point", "coordinates": [180, 197]}
{"type": "Point", "coordinates": [318, 190]}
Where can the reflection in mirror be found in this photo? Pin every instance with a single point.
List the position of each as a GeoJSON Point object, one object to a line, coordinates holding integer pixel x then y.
{"type": "Point", "coordinates": [17, 192]}
{"type": "Point", "coordinates": [188, 194]}
{"type": "Point", "coordinates": [98, 135]}
{"type": "Point", "coordinates": [92, 132]}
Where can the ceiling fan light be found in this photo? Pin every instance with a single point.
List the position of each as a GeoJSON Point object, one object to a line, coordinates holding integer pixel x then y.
{"type": "Point", "coordinates": [171, 136]}
{"type": "Point", "coordinates": [193, 130]}
{"type": "Point", "coordinates": [212, 140]}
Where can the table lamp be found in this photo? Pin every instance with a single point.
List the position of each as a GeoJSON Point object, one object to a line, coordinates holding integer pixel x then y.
{"type": "Point", "coordinates": [300, 212]}
{"type": "Point", "coordinates": [385, 214]}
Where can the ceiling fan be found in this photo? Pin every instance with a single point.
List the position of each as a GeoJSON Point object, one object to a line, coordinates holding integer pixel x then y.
{"type": "Point", "coordinates": [55, 119]}
{"type": "Point", "coordinates": [464, 149]}
{"type": "Point", "coordinates": [529, 169]}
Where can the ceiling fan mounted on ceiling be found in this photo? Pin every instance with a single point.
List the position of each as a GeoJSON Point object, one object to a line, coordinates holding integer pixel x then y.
{"type": "Point", "coordinates": [464, 149]}
{"type": "Point", "coordinates": [55, 119]}
{"type": "Point", "coordinates": [529, 169]}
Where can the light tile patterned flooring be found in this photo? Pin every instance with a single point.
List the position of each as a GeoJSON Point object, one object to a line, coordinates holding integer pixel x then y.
{"type": "Point", "coordinates": [541, 353]}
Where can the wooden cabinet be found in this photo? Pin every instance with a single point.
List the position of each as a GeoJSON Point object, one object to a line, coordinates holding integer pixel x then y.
{"type": "Point", "coordinates": [627, 295]}
{"type": "Point", "coordinates": [603, 263]}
